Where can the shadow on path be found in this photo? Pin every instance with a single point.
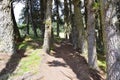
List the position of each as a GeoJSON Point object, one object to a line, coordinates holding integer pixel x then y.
{"type": "Point", "coordinates": [11, 65]}
{"type": "Point", "coordinates": [57, 63]}
{"type": "Point", "coordinates": [76, 62]}
{"type": "Point", "coordinates": [15, 59]}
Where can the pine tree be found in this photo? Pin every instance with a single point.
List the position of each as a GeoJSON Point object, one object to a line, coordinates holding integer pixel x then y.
{"type": "Point", "coordinates": [48, 27]}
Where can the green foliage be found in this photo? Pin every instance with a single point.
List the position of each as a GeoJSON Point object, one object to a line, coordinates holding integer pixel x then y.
{"type": "Point", "coordinates": [96, 6]}
{"type": "Point", "coordinates": [57, 39]}
{"type": "Point", "coordinates": [21, 26]}
{"type": "Point", "coordinates": [23, 46]}
{"type": "Point", "coordinates": [54, 26]}
{"type": "Point", "coordinates": [30, 42]}
{"type": "Point", "coordinates": [29, 64]}
{"type": "Point", "coordinates": [31, 61]}
{"type": "Point", "coordinates": [102, 62]}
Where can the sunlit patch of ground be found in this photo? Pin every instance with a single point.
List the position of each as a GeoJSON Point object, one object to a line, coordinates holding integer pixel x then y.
{"type": "Point", "coordinates": [28, 65]}
{"type": "Point", "coordinates": [63, 59]}
{"type": "Point", "coordinates": [25, 63]}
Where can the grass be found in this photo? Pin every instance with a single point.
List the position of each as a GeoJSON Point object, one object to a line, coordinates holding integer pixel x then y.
{"type": "Point", "coordinates": [29, 64]}
{"type": "Point", "coordinates": [30, 43]}
{"type": "Point", "coordinates": [102, 62]}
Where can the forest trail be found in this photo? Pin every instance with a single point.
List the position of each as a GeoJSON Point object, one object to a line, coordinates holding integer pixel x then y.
{"type": "Point", "coordinates": [64, 63]}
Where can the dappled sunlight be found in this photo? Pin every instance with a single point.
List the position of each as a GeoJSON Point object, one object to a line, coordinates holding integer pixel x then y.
{"type": "Point", "coordinates": [59, 39]}
{"type": "Point", "coordinates": [25, 62]}
{"type": "Point", "coordinates": [63, 59]}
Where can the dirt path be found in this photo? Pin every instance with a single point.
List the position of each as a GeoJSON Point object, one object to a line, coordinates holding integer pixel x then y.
{"type": "Point", "coordinates": [65, 64]}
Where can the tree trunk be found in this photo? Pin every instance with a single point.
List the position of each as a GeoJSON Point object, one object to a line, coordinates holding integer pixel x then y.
{"type": "Point", "coordinates": [71, 20]}
{"type": "Point", "coordinates": [16, 29]}
{"type": "Point", "coordinates": [32, 20]}
{"type": "Point", "coordinates": [57, 5]}
{"type": "Point", "coordinates": [67, 26]}
{"type": "Point", "coordinates": [48, 27]}
{"type": "Point", "coordinates": [92, 54]}
{"type": "Point", "coordinates": [112, 38]}
{"type": "Point", "coordinates": [79, 24]}
{"type": "Point", "coordinates": [7, 44]}
{"type": "Point", "coordinates": [43, 10]}
{"type": "Point", "coordinates": [27, 17]}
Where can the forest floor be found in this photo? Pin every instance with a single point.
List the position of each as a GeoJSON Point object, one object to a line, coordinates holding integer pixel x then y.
{"type": "Point", "coordinates": [63, 63]}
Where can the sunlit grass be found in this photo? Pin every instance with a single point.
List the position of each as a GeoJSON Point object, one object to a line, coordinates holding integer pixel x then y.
{"type": "Point", "coordinates": [29, 64]}
{"type": "Point", "coordinates": [102, 65]}
{"type": "Point", "coordinates": [29, 43]}
{"type": "Point", "coordinates": [102, 62]}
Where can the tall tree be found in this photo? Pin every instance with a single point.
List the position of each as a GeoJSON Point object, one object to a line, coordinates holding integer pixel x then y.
{"type": "Point", "coordinates": [112, 37]}
{"type": "Point", "coordinates": [42, 17]}
{"type": "Point", "coordinates": [32, 20]}
{"type": "Point", "coordinates": [92, 54]}
{"type": "Point", "coordinates": [6, 28]}
{"type": "Point", "coordinates": [16, 29]}
{"type": "Point", "coordinates": [48, 27]}
{"type": "Point", "coordinates": [27, 17]}
{"type": "Point", "coordinates": [67, 25]}
{"type": "Point", "coordinates": [57, 13]}
{"type": "Point", "coordinates": [78, 22]}
{"type": "Point", "coordinates": [71, 20]}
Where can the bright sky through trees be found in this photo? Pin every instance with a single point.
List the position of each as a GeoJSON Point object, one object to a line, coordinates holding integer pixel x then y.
{"type": "Point", "coordinates": [17, 10]}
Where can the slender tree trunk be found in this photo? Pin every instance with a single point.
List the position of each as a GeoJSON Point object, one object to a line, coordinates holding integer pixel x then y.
{"type": "Point", "coordinates": [65, 17]}
{"type": "Point", "coordinates": [74, 31]}
{"type": "Point", "coordinates": [71, 20]}
{"type": "Point", "coordinates": [78, 23]}
{"type": "Point", "coordinates": [27, 17]}
{"type": "Point", "coordinates": [100, 34]}
{"type": "Point", "coordinates": [112, 38]}
{"type": "Point", "coordinates": [16, 30]}
{"type": "Point", "coordinates": [85, 45]}
{"type": "Point", "coordinates": [48, 27]}
{"type": "Point", "coordinates": [43, 11]}
{"type": "Point", "coordinates": [67, 25]}
{"type": "Point", "coordinates": [27, 27]}
{"type": "Point", "coordinates": [57, 5]}
{"type": "Point", "coordinates": [92, 54]}
{"type": "Point", "coordinates": [85, 5]}
{"type": "Point", "coordinates": [7, 44]}
{"type": "Point", "coordinates": [32, 20]}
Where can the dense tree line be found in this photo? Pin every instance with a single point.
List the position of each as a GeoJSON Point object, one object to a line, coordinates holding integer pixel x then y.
{"type": "Point", "coordinates": [96, 22]}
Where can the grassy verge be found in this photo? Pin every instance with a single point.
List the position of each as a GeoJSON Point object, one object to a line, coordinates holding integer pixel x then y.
{"type": "Point", "coordinates": [28, 64]}
{"type": "Point", "coordinates": [31, 62]}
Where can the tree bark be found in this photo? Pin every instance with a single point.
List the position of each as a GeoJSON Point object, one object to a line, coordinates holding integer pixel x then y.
{"type": "Point", "coordinates": [48, 27]}
{"type": "Point", "coordinates": [7, 44]}
{"type": "Point", "coordinates": [67, 25]}
{"type": "Point", "coordinates": [16, 29]}
{"type": "Point", "coordinates": [43, 10]}
{"type": "Point", "coordinates": [71, 21]}
{"type": "Point", "coordinates": [57, 6]}
{"type": "Point", "coordinates": [92, 54]}
{"type": "Point", "coordinates": [112, 38]}
{"type": "Point", "coordinates": [32, 20]}
{"type": "Point", "coordinates": [27, 17]}
{"type": "Point", "coordinates": [79, 24]}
